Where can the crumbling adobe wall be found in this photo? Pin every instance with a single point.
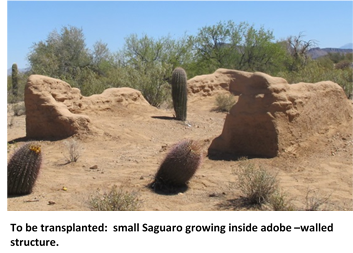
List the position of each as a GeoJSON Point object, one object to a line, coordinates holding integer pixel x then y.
{"type": "Point", "coordinates": [273, 117]}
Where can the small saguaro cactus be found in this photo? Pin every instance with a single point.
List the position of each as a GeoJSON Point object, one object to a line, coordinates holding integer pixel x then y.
{"type": "Point", "coordinates": [179, 93]}
{"type": "Point", "coordinates": [179, 166]}
{"type": "Point", "coordinates": [14, 79]}
{"type": "Point", "coordinates": [23, 169]}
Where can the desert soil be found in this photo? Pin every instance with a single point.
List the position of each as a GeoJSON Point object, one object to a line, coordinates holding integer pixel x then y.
{"type": "Point", "coordinates": [132, 143]}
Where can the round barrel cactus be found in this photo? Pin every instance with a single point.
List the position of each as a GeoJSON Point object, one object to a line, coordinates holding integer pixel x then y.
{"type": "Point", "coordinates": [179, 166]}
{"type": "Point", "coordinates": [23, 169]}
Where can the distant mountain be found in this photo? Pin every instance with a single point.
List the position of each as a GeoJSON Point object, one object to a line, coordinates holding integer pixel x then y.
{"type": "Point", "coordinates": [317, 52]}
{"type": "Point", "coordinates": [347, 46]}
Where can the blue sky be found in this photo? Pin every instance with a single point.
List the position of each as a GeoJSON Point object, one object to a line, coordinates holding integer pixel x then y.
{"type": "Point", "coordinates": [329, 23]}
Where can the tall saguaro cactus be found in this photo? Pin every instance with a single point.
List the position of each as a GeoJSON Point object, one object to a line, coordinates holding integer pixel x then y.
{"type": "Point", "coordinates": [23, 169]}
{"type": "Point", "coordinates": [14, 79]}
{"type": "Point", "coordinates": [179, 93]}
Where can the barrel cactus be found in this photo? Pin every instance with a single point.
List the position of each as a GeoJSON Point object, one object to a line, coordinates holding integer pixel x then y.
{"type": "Point", "coordinates": [179, 93]}
{"type": "Point", "coordinates": [23, 169]}
{"type": "Point", "coordinates": [179, 166]}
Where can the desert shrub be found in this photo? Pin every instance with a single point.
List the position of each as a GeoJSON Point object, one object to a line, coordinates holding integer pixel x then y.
{"type": "Point", "coordinates": [343, 64]}
{"type": "Point", "coordinates": [74, 150]}
{"type": "Point", "coordinates": [315, 202]}
{"type": "Point", "coordinates": [278, 201]}
{"type": "Point", "coordinates": [256, 184]}
{"type": "Point", "coordinates": [19, 109]}
{"type": "Point", "coordinates": [315, 72]}
{"type": "Point", "coordinates": [224, 102]}
{"type": "Point", "coordinates": [114, 200]}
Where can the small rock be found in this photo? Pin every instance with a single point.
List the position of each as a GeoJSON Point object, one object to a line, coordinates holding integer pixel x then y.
{"type": "Point", "coordinates": [51, 202]}
{"type": "Point", "coordinates": [94, 167]}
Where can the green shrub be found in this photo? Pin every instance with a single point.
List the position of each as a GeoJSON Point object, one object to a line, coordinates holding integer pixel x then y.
{"type": "Point", "coordinates": [314, 72]}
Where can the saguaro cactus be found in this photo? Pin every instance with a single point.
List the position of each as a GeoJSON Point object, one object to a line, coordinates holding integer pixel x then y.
{"type": "Point", "coordinates": [23, 169]}
{"type": "Point", "coordinates": [179, 166]}
{"type": "Point", "coordinates": [179, 93]}
{"type": "Point", "coordinates": [14, 79]}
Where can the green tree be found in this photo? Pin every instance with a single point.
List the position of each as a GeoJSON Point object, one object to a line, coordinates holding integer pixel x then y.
{"type": "Point", "coordinates": [147, 64]}
{"type": "Point", "coordinates": [61, 56]}
{"type": "Point", "coordinates": [102, 59]}
{"type": "Point", "coordinates": [259, 51]}
{"type": "Point", "coordinates": [243, 47]}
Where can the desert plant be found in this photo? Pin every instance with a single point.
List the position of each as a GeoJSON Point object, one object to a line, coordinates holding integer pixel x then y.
{"type": "Point", "coordinates": [19, 109]}
{"type": "Point", "coordinates": [224, 102]}
{"type": "Point", "coordinates": [256, 184]}
{"type": "Point", "coordinates": [23, 169]}
{"type": "Point", "coordinates": [314, 202]}
{"type": "Point", "coordinates": [14, 79]}
{"type": "Point", "coordinates": [179, 166]}
{"type": "Point", "coordinates": [115, 200]}
{"type": "Point", "coordinates": [278, 201]}
{"type": "Point", "coordinates": [179, 93]}
{"type": "Point", "coordinates": [74, 150]}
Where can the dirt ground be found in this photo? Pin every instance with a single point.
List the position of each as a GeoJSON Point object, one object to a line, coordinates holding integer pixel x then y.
{"type": "Point", "coordinates": [132, 142]}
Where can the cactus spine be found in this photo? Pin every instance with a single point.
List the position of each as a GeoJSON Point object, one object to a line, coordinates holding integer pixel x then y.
{"type": "Point", "coordinates": [178, 167]}
{"type": "Point", "coordinates": [23, 169]}
{"type": "Point", "coordinates": [179, 93]}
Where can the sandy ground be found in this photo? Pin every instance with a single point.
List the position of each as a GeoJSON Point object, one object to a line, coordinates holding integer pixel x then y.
{"type": "Point", "coordinates": [132, 142]}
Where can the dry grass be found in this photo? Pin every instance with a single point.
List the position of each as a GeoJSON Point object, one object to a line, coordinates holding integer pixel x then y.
{"type": "Point", "coordinates": [115, 200]}
{"type": "Point", "coordinates": [256, 184]}
{"type": "Point", "coordinates": [261, 188]}
{"type": "Point", "coordinates": [279, 201]}
{"type": "Point", "coordinates": [224, 102]}
{"type": "Point", "coordinates": [315, 202]}
{"type": "Point", "coordinates": [74, 150]}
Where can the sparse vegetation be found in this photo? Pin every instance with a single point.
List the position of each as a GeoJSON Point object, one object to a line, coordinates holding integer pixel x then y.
{"type": "Point", "coordinates": [279, 201]}
{"type": "Point", "coordinates": [115, 200]}
{"type": "Point", "coordinates": [260, 187]}
{"type": "Point", "coordinates": [256, 184]}
{"type": "Point", "coordinates": [146, 64]}
{"type": "Point", "coordinates": [224, 102]}
{"type": "Point", "coordinates": [19, 109]}
{"type": "Point", "coordinates": [74, 150]}
{"type": "Point", "coordinates": [315, 202]}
